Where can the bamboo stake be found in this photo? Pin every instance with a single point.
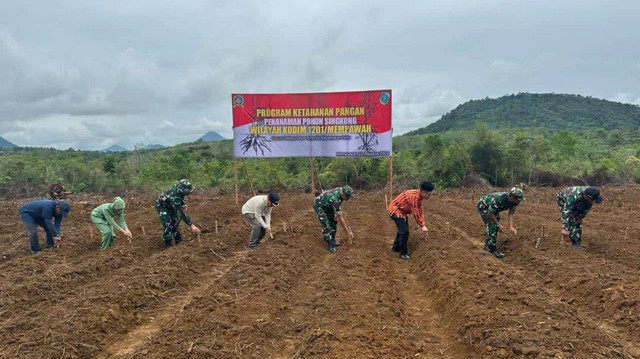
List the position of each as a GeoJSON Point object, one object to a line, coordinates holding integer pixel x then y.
{"type": "Point", "coordinates": [216, 226]}
{"type": "Point", "coordinates": [143, 232]}
{"type": "Point", "coordinates": [390, 176]}
{"type": "Point", "coordinates": [246, 172]}
{"type": "Point", "coordinates": [235, 171]}
{"type": "Point", "coordinates": [313, 177]}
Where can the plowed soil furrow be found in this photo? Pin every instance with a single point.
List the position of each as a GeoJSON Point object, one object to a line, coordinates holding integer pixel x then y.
{"type": "Point", "coordinates": [611, 297]}
{"type": "Point", "coordinates": [356, 303]}
{"type": "Point", "coordinates": [101, 291]}
{"type": "Point", "coordinates": [290, 298]}
{"type": "Point", "coordinates": [550, 270]}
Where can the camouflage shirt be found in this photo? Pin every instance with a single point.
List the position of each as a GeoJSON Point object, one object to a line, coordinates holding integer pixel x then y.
{"type": "Point", "coordinates": [172, 201]}
{"type": "Point", "coordinates": [495, 203]}
{"type": "Point", "coordinates": [574, 207]}
{"type": "Point", "coordinates": [329, 200]}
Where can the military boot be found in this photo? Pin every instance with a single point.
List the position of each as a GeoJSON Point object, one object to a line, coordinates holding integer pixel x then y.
{"type": "Point", "coordinates": [494, 250]}
{"type": "Point", "coordinates": [332, 246]}
{"type": "Point", "coordinates": [576, 244]}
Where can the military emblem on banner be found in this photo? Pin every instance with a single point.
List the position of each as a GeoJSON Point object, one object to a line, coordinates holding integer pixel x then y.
{"type": "Point", "coordinates": [385, 97]}
{"type": "Point", "coordinates": [238, 100]}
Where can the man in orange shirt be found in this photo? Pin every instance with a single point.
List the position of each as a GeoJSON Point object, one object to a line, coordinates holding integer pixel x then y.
{"type": "Point", "coordinates": [406, 203]}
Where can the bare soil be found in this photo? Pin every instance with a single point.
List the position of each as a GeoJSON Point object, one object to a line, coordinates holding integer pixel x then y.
{"type": "Point", "coordinates": [210, 297]}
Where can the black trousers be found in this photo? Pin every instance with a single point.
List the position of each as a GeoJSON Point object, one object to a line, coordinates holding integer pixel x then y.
{"type": "Point", "coordinates": [402, 237]}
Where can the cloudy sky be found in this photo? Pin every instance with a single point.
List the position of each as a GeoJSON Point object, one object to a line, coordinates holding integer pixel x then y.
{"type": "Point", "coordinates": [87, 74]}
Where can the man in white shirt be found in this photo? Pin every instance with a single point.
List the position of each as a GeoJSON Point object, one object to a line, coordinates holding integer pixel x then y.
{"type": "Point", "coordinates": [257, 214]}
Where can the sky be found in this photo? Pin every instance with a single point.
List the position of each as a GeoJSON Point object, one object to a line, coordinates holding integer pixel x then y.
{"type": "Point", "coordinates": [87, 75]}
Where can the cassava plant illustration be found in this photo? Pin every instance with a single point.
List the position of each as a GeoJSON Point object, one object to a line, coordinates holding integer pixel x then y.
{"type": "Point", "coordinates": [368, 141]}
{"type": "Point", "coordinates": [255, 142]}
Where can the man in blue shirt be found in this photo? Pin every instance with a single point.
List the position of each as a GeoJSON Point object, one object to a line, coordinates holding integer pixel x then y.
{"type": "Point", "coordinates": [40, 213]}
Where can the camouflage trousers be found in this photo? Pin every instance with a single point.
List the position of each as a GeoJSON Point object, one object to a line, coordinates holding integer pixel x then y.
{"type": "Point", "coordinates": [328, 223]}
{"type": "Point", "coordinates": [170, 226]}
{"type": "Point", "coordinates": [569, 223]}
{"type": "Point", "coordinates": [491, 229]}
{"type": "Point", "coordinates": [575, 231]}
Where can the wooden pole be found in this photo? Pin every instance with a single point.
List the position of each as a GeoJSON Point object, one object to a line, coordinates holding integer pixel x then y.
{"type": "Point", "coordinates": [235, 171]}
{"type": "Point", "coordinates": [390, 177]}
{"type": "Point", "coordinates": [313, 177]}
{"type": "Point", "coordinates": [246, 172]}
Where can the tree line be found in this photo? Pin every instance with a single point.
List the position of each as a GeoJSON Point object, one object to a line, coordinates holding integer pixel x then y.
{"type": "Point", "coordinates": [537, 156]}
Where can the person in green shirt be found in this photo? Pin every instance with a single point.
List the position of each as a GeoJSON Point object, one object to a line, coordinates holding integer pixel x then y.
{"type": "Point", "coordinates": [102, 216]}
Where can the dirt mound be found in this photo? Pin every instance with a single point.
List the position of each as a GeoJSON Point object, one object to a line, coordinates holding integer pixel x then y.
{"type": "Point", "coordinates": [472, 180]}
{"type": "Point", "coordinates": [290, 298]}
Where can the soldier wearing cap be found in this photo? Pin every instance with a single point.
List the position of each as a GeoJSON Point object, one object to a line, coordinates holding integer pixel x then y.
{"type": "Point", "coordinates": [102, 216]}
{"type": "Point", "coordinates": [257, 213]}
{"type": "Point", "coordinates": [327, 206]}
{"type": "Point", "coordinates": [574, 204]}
{"type": "Point", "coordinates": [171, 208]}
{"type": "Point", "coordinates": [489, 207]}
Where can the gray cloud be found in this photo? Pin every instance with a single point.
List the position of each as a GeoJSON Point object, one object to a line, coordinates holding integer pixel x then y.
{"type": "Point", "coordinates": [29, 76]}
{"type": "Point", "coordinates": [79, 74]}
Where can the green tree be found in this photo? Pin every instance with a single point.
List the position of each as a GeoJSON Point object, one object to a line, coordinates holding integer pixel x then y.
{"type": "Point", "coordinates": [486, 154]}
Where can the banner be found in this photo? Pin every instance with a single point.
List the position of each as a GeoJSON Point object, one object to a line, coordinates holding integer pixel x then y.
{"type": "Point", "coordinates": [331, 124]}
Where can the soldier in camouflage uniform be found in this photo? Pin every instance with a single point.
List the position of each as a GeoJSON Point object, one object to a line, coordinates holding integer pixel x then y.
{"type": "Point", "coordinates": [574, 204]}
{"type": "Point", "coordinates": [171, 208]}
{"type": "Point", "coordinates": [489, 207]}
{"type": "Point", "coordinates": [327, 206]}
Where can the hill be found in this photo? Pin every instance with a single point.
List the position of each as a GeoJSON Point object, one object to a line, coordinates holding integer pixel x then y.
{"type": "Point", "coordinates": [6, 144]}
{"type": "Point", "coordinates": [154, 146]}
{"type": "Point", "coordinates": [551, 111]}
{"type": "Point", "coordinates": [212, 136]}
{"type": "Point", "coordinates": [114, 148]}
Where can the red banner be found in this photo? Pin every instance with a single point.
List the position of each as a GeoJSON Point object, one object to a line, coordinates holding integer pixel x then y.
{"type": "Point", "coordinates": [331, 124]}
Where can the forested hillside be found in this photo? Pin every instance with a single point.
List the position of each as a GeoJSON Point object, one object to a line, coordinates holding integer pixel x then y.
{"type": "Point", "coordinates": [551, 111]}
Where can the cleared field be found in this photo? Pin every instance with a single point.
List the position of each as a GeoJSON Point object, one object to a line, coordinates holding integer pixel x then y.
{"type": "Point", "coordinates": [290, 298]}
